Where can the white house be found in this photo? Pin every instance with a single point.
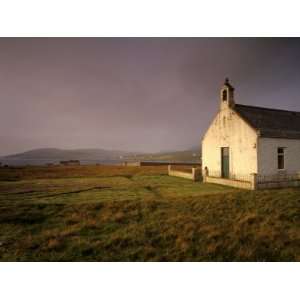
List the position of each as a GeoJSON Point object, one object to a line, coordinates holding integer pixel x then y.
{"type": "Point", "coordinates": [244, 140]}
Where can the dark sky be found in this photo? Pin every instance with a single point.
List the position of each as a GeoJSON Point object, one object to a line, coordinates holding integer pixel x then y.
{"type": "Point", "coordinates": [140, 94]}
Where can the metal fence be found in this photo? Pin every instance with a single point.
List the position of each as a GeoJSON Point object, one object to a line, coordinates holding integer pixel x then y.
{"type": "Point", "coordinates": [255, 181]}
{"type": "Point", "coordinates": [277, 178]}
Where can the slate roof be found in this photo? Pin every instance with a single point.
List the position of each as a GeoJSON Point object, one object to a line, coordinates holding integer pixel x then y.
{"type": "Point", "coordinates": [272, 123]}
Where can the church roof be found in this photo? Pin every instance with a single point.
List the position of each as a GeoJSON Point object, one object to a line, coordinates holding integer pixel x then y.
{"type": "Point", "coordinates": [272, 123]}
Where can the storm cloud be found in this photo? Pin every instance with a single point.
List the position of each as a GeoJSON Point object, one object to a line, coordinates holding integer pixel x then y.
{"type": "Point", "coordinates": [138, 94]}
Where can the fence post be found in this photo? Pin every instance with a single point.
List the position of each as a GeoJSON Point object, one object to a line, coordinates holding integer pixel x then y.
{"type": "Point", "coordinates": [297, 182]}
{"type": "Point", "coordinates": [253, 180]}
{"type": "Point", "coordinates": [193, 174]}
{"type": "Point", "coordinates": [169, 169]}
{"type": "Point", "coordinates": [196, 172]}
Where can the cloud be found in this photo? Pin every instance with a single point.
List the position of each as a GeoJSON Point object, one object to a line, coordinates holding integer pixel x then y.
{"type": "Point", "coordinates": [145, 94]}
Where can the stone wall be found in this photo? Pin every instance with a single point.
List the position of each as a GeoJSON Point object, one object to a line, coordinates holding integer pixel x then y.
{"type": "Point", "coordinates": [194, 175]}
{"type": "Point", "coordinates": [159, 163]}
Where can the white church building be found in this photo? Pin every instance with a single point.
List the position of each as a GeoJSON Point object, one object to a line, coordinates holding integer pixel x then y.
{"type": "Point", "coordinates": [244, 142]}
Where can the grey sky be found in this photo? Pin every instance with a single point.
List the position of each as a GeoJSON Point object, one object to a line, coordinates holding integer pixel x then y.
{"type": "Point", "coordinates": [140, 94]}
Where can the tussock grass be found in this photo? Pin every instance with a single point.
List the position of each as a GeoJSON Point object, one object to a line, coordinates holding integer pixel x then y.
{"type": "Point", "coordinates": [140, 214]}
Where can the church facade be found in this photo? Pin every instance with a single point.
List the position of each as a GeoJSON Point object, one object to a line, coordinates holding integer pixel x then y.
{"type": "Point", "coordinates": [244, 140]}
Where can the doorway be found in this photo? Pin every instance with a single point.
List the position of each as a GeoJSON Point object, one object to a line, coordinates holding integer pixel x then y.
{"type": "Point", "coordinates": [225, 162]}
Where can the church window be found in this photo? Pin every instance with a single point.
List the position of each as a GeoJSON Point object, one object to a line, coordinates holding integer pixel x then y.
{"type": "Point", "coordinates": [280, 158]}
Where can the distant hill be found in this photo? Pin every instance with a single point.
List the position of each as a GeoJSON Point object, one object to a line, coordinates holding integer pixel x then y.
{"type": "Point", "coordinates": [193, 154]}
{"type": "Point", "coordinates": [47, 155]}
{"type": "Point", "coordinates": [80, 154]}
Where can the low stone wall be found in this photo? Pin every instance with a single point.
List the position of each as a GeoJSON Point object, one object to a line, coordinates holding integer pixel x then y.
{"type": "Point", "coordinates": [158, 163]}
{"type": "Point", "coordinates": [230, 182]}
{"type": "Point", "coordinates": [194, 175]}
{"type": "Point", "coordinates": [131, 164]}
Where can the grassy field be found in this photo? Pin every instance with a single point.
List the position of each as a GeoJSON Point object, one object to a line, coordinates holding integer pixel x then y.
{"type": "Point", "coordinates": [109, 213]}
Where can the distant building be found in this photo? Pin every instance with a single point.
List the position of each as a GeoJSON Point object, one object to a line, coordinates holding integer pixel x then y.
{"type": "Point", "coordinates": [243, 140]}
{"type": "Point", "coordinates": [70, 162]}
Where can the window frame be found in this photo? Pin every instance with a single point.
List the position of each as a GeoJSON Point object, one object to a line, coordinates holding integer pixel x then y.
{"type": "Point", "coordinates": [281, 155]}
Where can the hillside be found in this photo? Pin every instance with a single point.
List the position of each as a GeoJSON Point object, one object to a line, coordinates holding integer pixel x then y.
{"type": "Point", "coordinates": [55, 154]}
{"type": "Point", "coordinates": [61, 154]}
{"type": "Point", "coordinates": [193, 154]}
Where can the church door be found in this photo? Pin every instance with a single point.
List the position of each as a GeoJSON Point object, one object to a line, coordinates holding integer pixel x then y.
{"type": "Point", "coordinates": [225, 162]}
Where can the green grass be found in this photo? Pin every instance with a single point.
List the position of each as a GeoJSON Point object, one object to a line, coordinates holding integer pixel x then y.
{"type": "Point", "coordinates": [141, 214]}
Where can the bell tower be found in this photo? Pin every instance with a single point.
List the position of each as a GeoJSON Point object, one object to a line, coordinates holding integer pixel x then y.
{"type": "Point", "coordinates": [227, 95]}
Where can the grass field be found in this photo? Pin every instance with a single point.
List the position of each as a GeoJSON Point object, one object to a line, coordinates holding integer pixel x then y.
{"type": "Point", "coordinates": [110, 213]}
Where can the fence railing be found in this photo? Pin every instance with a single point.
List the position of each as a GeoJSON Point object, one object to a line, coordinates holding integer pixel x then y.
{"type": "Point", "coordinates": [277, 178]}
{"type": "Point", "coordinates": [238, 177]}
{"type": "Point", "coordinates": [254, 181]}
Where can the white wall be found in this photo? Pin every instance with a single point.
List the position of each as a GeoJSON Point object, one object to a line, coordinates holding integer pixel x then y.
{"type": "Point", "coordinates": [267, 155]}
{"type": "Point", "coordinates": [230, 130]}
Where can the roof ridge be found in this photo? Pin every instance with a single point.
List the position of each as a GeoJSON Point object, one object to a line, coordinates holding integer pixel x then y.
{"type": "Point", "coordinates": [268, 108]}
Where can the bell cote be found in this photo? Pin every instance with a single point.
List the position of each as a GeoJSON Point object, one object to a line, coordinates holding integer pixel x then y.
{"type": "Point", "coordinates": [227, 95]}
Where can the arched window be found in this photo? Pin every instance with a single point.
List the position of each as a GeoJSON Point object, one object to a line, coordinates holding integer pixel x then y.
{"type": "Point", "coordinates": [224, 95]}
